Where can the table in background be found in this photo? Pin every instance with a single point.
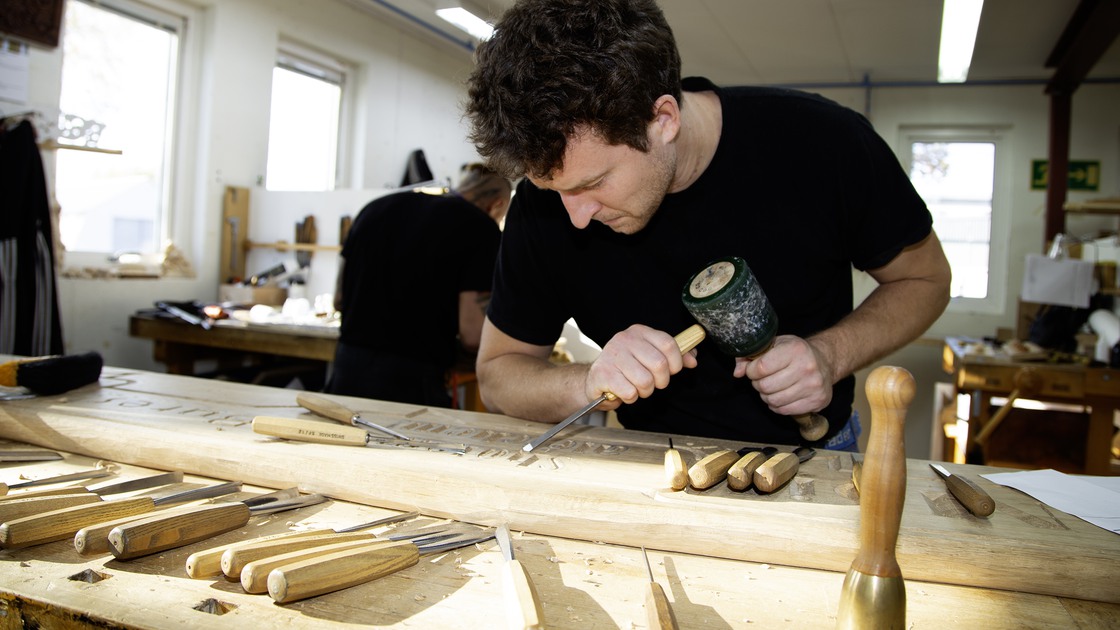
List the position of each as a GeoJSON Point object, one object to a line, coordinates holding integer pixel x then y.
{"type": "Point", "coordinates": [986, 376]}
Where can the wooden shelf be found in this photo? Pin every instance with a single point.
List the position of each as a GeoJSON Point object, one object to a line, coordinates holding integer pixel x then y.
{"type": "Point", "coordinates": [1098, 206]}
{"type": "Point", "coordinates": [285, 246]}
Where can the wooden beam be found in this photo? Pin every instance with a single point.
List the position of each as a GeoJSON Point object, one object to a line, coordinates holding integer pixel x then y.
{"type": "Point", "coordinates": [1088, 35]}
{"type": "Point", "coordinates": [1057, 176]}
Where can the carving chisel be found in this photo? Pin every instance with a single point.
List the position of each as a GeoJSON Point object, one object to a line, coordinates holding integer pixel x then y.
{"type": "Point", "coordinates": [658, 610]}
{"type": "Point", "coordinates": [94, 539]}
{"type": "Point", "coordinates": [335, 411]}
{"type": "Point", "coordinates": [254, 575]}
{"type": "Point", "coordinates": [857, 470]}
{"type": "Point", "coordinates": [971, 496]}
{"type": "Point", "coordinates": [65, 522]}
{"type": "Point", "coordinates": [712, 469]}
{"type": "Point", "coordinates": [330, 433]}
{"type": "Point", "coordinates": [209, 562]}
{"type": "Point", "coordinates": [686, 341]}
{"type": "Point", "coordinates": [676, 476]}
{"type": "Point", "coordinates": [162, 532]}
{"type": "Point", "coordinates": [523, 607]}
{"type": "Point", "coordinates": [741, 474]}
{"type": "Point", "coordinates": [36, 455]}
{"type": "Point", "coordinates": [36, 501]}
{"type": "Point", "coordinates": [779, 469]}
{"type": "Point", "coordinates": [233, 560]}
{"type": "Point", "coordinates": [343, 569]}
{"type": "Point", "coordinates": [94, 473]}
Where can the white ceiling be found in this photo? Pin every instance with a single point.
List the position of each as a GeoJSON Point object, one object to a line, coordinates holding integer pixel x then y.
{"type": "Point", "coordinates": [838, 41]}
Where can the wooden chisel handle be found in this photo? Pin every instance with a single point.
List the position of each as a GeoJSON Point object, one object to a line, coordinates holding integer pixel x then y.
{"type": "Point", "coordinates": [523, 607]}
{"type": "Point", "coordinates": [49, 492]}
{"type": "Point", "coordinates": [235, 558]}
{"type": "Point", "coordinates": [168, 531]}
{"type": "Point", "coordinates": [339, 570]}
{"type": "Point", "coordinates": [971, 496]}
{"type": "Point", "coordinates": [712, 469]}
{"type": "Point", "coordinates": [676, 475]}
{"type": "Point", "coordinates": [18, 508]}
{"type": "Point", "coordinates": [326, 408]}
{"type": "Point", "coordinates": [775, 472]}
{"type": "Point", "coordinates": [65, 522]}
{"type": "Point", "coordinates": [658, 610]}
{"type": "Point", "coordinates": [254, 576]}
{"type": "Point", "coordinates": [208, 562]}
{"type": "Point", "coordinates": [309, 431]}
{"type": "Point", "coordinates": [741, 474]}
{"type": "Point", "coordinates": [93, 540]}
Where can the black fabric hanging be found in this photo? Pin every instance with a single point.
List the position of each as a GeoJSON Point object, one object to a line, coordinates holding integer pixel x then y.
{"type": "Point", "coordinates": [29, 320]}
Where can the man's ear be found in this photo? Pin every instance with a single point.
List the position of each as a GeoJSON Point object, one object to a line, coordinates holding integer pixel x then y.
{"type": "Point", "coordinates": [666, 122]}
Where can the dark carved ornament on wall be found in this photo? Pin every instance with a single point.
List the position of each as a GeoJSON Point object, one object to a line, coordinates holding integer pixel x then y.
{"type": "Point", "coordinates": [37, 21]}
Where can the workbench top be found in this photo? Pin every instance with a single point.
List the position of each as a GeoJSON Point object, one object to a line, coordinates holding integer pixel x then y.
{"type": "Point", "coordinates": [579, 507]}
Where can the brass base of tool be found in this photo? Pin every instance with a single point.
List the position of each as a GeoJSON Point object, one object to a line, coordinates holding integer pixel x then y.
{"type": "Point", "coordinates": [870, 601]}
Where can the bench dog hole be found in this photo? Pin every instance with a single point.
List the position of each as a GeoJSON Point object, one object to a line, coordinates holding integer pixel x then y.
{"type": "Point", "coordinates": [214, 607]}
{"type": "Point", "coordinates": [90, 576]}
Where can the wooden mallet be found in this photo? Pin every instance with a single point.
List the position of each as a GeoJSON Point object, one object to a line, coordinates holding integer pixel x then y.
{"type": "Point", "coordinates": [874, 594]}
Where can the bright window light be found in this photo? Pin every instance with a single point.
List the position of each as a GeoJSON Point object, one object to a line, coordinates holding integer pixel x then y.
{"type": "Point", "coordinates": [959, 22]}
{"type": "Point", "coordinates": [467, 21]}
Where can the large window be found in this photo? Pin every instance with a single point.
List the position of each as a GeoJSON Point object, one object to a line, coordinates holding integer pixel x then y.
{"type": "Point", "coordinates": [120, 66]}
{"type": "Point", "coordinates": [955, 172]}
{"type": "Point", "coordinates": [304, 125]}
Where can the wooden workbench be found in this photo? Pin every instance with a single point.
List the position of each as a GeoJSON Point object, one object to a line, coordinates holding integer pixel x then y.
{"type": "Point", "coordinates": [986, 375]}
{"type": "Point", "coordinates": [586, 501]}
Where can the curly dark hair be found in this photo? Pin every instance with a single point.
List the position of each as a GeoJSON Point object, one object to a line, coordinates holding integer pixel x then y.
{"type": "Point", "coordinates": [556, 67]}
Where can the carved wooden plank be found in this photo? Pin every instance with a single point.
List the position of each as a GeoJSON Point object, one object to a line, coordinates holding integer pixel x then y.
{"type": "Point", "coordinates": [591, 483]}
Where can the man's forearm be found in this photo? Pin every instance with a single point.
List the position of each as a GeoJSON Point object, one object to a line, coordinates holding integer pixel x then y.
{"type": "Point", "coordinates": [531, 388]}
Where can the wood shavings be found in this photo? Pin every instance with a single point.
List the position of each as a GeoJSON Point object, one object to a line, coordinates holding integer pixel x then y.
{"type": "Point", "coordinates": [420, 598]}
{"type": "Point", "coordinates": [554, 559]}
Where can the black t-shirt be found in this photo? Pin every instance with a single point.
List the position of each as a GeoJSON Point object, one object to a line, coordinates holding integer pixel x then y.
{"type": "Point", "coordinates": [407, 257]}
{"type": "Point", "coordinates": [800, 187]}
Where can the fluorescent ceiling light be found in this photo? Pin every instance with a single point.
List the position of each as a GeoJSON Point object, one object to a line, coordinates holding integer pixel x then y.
{"type": "Point", "coordinates": [467, 21]}
{"type": "Point", "coordinates": [959, 23]}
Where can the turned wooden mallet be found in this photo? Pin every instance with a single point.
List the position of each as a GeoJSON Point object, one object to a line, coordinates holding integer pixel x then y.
{"type": "Point", "coordinates": [874, 594]}
{"type": "Point", "coordinates": [727, 300]}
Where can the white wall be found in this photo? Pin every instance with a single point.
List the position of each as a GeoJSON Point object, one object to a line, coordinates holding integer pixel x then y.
{"type": "Point", "coordinates": [409, 86]}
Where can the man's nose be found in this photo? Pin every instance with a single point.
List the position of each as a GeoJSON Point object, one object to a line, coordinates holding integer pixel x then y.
{"type": "Point", "coordinates": [581, 209]}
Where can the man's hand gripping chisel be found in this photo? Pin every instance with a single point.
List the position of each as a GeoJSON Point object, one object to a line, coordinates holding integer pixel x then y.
{"type": "Point", "coordinates": [686, 340]}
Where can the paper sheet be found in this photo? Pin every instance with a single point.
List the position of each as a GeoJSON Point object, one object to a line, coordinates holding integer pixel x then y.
{"type": "Point", "coordinates": [1092, 499]}
{"type": "Point", "coordinates": [1066, 282]}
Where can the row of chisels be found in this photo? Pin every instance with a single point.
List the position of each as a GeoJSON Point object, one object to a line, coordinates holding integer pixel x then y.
{"type": "Point", "coordinates": [763, 467]}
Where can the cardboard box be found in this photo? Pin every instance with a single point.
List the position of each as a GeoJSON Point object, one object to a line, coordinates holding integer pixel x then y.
{"type": "Point", "coordinates": [238, 294]}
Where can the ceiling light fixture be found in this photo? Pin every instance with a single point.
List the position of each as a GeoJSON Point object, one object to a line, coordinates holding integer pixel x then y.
{"type": "Point", "coordinates": [959, 23]}
{"type": "Point", "coordinates": [460, 16]}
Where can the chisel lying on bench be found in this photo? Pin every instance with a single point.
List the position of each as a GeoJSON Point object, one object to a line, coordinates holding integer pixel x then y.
{"type": "Point", "coordinates": [63, 523]}
{"type": "Point", "coordinates": [209, 562]}
{"type": "Point", "coordinates": [17, 506]}
{"type": "Point", "coordinates": [350, 567]}
{"type": "Point", "coordinates": [102, 489]}
{"type": "Point", "coordinates": [84, 474]}
{"type": "Point", "coordinates": [167, 531]}
{"type": "Point", "coordinates": [332, 433]}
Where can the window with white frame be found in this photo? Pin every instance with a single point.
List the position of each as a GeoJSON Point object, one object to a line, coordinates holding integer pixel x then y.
{"type": "Point", "coordinates": [958, 172]}
{"type": "Point", "coordinates": [304, 125]}
{"type": "Point", "coordinates": [120, 71]}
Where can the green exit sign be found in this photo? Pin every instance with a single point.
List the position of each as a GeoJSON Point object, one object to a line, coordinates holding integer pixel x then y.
{"type": "Point", "coordinates": [1083, 174]}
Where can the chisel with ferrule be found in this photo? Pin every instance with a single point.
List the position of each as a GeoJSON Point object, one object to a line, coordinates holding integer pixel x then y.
{"type": "Point", "coordinates": [658, 610]}
{"type": "Point", "coordinates": [523, 606]}
{"type": "Point", "coordinates": [208, 562]}
{"type": "Point", "coordinates": [330, 433]}
{"type": "Point", "coordinates": [94, 539]}
{"type": "Point", "coordinates": [688, 339]}
{"type": "Point", "coordinates": [343, 569]}
{"type": "Point", "coordinates": [779, 469]}
{"type": "Point", "coordinates": [233, 560]}
{"type": "Point", "coordinates": [102, 489]}
{"type": "Point", "coordinates": [330, 409]}
{"type": "Point", "coordinates": [971, 496]}
{"type": "Point", "coordinates": [254, 575]}
{"type": "Point", "coordinates": [62, 523]}
{"type": "Point", "coordinates": [94, 473]}
{"type": "Point", "coordinates": [162, 532]}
